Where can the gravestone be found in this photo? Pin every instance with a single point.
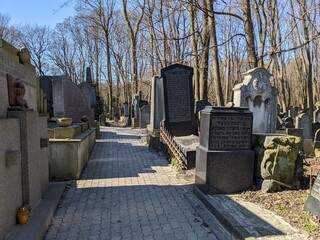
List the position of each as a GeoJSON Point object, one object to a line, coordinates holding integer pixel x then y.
{"type": "Point", "coordinates": [313, 202]}
{"type": "Point", "coordinates": [178, 99]}
{"type": "Point", "coordinates": [224, 159]}
{"type": "Point", "coordinates": [293, 112]}
{"type": "Point", "coordinates": [46, 86]}
{"type": "Point", "coordinates": [156, 113]}
{"type": "Point", "coordinates": [157, 104]}
{"type": "Point", "coordinates": [135, 102]}
{"type": "Point", "coordinates": [144, 116]}
{"type": "Point", "coordinates": [304, 121]}
{"type": "Point", "coordinates": [316, 115]}
{"type": "Point", "coordinates": [257, 93]}
{"type": "Point", "coordinates": [126, 109]}
{"type": "Point", "coordinates": [316, 143]}
{"type": "Point", "coordinates": [73, 105]}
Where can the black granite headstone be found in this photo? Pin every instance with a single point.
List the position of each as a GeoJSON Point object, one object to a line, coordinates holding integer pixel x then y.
{"type": "Point", "coordinates": [313, 202]}
{"type": "Point", "coordinates": [224, 159]}
{"type": "Point", "coordinates": [142, 103]}
{"type": "Point", "coordinates": [178, 99]}
{"type": "Point", "coordinates": [200, 105]}
{"type": "Point", "coordinates": [226, 128]}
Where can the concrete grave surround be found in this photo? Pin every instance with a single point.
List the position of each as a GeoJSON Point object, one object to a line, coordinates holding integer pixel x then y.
{"type": "Point", "coordinates": [23, 160]}
{"type": "Point", "coordinates": [256, 93]}
{"type": "Point", "coordinates": [179, 100]}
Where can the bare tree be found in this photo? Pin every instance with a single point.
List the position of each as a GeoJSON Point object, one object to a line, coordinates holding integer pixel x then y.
{"type": "Point", "coordinates": [133, 32]}
{"type": "Point", "coordinates": [37, 39]}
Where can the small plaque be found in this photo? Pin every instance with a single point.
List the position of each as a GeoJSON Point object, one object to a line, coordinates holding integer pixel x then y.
{"type": "Point", "coordinates": [313, 202]}
{"type": "Point", "coordinates": [230, 131]}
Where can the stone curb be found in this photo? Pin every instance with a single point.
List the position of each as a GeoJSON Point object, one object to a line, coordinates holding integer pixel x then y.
{"type": "Point", "coordinates": [225, 218]}
{"type": "Point", "coordinates": [212, 222]}
{"type": "Point", "coordinates": [40, 216]}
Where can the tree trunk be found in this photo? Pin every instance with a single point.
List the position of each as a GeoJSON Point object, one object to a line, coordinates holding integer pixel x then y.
{"type": "Point", "coordinates": [249, 33]}
{"type": "Point", "coordinates": [215, 56]}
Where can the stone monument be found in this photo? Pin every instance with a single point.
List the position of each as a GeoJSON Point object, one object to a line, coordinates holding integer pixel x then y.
{"type": "Point", "coordinates": [313, 201]}
{"type": "Point", "coordinates": [257, 93]}
{"type": "Point", "coordinates": [224, 159]}
{"type": "Point", "coordinates": [178, 99]}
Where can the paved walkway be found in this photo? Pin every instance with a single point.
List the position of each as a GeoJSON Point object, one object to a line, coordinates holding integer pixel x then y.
{"type": "Point", "coordinates": [127, 192]}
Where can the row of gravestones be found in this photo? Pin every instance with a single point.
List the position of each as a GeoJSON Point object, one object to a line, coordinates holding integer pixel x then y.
{"type": "Point", "coordinates": [83, 99]}
{"type": "Point", "coordinates": [136, 114]}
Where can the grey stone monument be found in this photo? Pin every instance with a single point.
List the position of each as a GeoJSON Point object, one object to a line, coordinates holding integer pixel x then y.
{"type": "Point", "coordinates": [156, 113]}
{"type": "Point", "coordinates": [304, 121]}
{"type": "Point", "coordinates": [156, 104]}
{"type": "Point", "coordinates": [144, 116]}
{"type": "Point", "coordinates": [46, 86]}
{"type": "Point", "coordinates": [125, 109]}
{"type": "Point", "coordinates": [179, 101]}
{"type": "Point", "coordinates": [313, 202]}
{"type": "Point", "coordinates": [224, 159]}
{"type": "Point", "coordinates": [293, 112]}
{"type": "Point", "coordinates": [256, 93]}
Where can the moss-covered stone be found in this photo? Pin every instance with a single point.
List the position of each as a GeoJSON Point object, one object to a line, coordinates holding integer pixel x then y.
{"type": "Point", "coordinates": [275, 159]}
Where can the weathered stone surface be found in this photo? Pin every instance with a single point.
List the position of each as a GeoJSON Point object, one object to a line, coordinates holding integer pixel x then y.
{"type": "Point", "coordinates": [257, 93]}
{"type": "Point", "coordinates": [276, 158]}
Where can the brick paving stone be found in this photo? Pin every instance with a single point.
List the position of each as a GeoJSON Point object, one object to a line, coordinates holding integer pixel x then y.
{"type": "Point", "coordinates": [126, 191]}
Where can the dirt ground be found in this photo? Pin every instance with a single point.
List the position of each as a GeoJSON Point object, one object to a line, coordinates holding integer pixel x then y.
{"type": "Point", "coordinates": [290, 203]}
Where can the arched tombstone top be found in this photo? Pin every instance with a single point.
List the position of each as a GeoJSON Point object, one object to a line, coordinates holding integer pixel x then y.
{"type": "Point", "coordinates": [258, 83]}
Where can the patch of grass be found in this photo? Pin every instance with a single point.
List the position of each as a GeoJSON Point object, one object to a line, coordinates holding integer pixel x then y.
{"type": "Point", "coordinates": [179, 166]}
{"type": "Point", "coordinates": [307, 223]}
{"type": "Point", "coordinates": [281, 207]}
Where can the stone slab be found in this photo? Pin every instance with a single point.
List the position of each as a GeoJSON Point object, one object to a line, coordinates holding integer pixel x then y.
{"type": "Point", "coordinates": [245, 220]}
{"type": "Point", "coordinates": [188, 145]}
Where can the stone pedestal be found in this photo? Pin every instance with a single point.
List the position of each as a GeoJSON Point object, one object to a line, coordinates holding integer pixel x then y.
{"type": "Point", "coordinates": [224, 171]}
{"type": "Point", "coordinates": [34, 159]}
{"type": "Point", "coordinates": [153, 140]}
{"type": "Point", "coordinates": [224, 159]}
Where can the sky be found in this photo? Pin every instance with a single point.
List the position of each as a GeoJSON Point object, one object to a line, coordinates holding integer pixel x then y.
{"type": "Point", "coordinates": [41, 12]}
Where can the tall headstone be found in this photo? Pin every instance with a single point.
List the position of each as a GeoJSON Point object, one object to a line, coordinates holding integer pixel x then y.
{"type": "Point", "coordinates": [144, 116]}
{"type": "Point", "coordinates": [304, 121]}
{"type": "Point", "coordinates": [88, 75]}
{"type": "Point", "coordinates": [179, 101]}
{"type": "Point", "coordinates": [224, 159]}
{"type": "Point", "coordinates": [126, 109]}
{"type": "Point", "coordinates": [135, 102]}
{"type": "Point", "coordinates": [256, 93]}
{"type": "Point", "coordinates": [157, 103]}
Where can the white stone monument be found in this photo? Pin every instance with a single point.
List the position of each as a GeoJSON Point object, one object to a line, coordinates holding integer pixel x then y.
{"type": "Point", "coordinates": [256, 93]}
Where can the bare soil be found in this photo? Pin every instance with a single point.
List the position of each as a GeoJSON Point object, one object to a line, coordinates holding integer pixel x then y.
{"type": "Point", "coordinates": [290, 203]}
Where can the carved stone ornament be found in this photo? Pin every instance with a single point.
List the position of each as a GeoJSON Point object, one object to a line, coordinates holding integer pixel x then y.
{"type": "Point", "coordinates": [259, 84]}
{"type": "Point", "coordinates": [16, 92]}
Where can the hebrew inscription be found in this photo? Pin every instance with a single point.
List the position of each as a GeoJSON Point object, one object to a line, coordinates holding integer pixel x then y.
{"type": "Point", "coordinates": [230, 132]}
{"type": "Point", "coordinates": [178, 91]}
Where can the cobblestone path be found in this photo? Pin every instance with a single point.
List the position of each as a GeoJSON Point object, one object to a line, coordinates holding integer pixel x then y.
{"type": "Point", "coordinates": [126, 192]}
